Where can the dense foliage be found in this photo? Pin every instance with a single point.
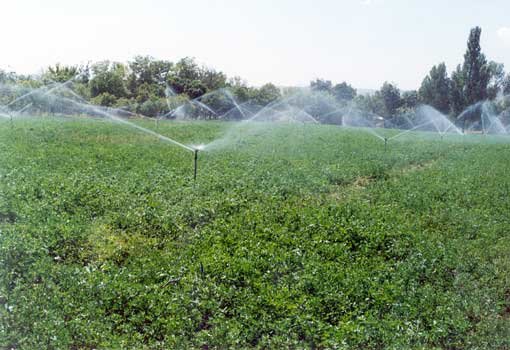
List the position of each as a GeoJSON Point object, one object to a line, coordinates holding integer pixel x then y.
{"type": "Point", "coordinates": [156, 88]}
{"type": "Point", "coordinates": [145, 85]}
{"type": "Point", "coordinates": [296, 236]}
{"type": "Point", "coordinates": [475, 80]}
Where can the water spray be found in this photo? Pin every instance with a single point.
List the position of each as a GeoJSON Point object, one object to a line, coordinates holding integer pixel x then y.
{"type": "Point", "coordinates": [106, 112]}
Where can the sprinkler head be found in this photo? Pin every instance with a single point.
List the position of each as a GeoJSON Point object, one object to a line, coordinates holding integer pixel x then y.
{"type": "Point", "coordinates": [195, 164]}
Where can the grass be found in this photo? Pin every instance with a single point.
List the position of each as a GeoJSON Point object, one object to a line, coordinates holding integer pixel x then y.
{"type": "Point", "coordinates": [293, 237]}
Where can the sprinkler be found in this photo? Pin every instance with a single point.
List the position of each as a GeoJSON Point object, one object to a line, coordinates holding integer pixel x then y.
{"type": "Point", "coordinates": [385, 143]}
{"type": "Point", "coordinates": [195, 164]}
{"type": "Point", "coordinates": [195, 150]}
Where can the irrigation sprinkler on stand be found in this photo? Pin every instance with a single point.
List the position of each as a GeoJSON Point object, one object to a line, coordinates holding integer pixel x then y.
{"type": "Point", "coordinates": [190, 148]}
{"type": "Point", "coordinates": [385, 143]}
{"type": "Point", "coordinates": [196, 149]}
{"type": "Point", "coordinates": [195, 165]}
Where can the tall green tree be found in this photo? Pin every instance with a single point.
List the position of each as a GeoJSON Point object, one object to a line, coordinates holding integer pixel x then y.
{"type": "Point", "coordinates": [185, 78]}
{"type": "Point", "coordinates": [213, 79]}
{"type": "Point", "coordinates": [343, 92]}
{"type": "Point", "coordinates": [7, 77]}
{"type": "Point", "coordinates": [145, 70]}
{"type": "Point", "coordinates": [506, 85]}
{"type": "Point", "coordinates": [497, 79]}
{"type": "Point", "coordinates": [108, 77]}
{"type": "Point", "coordinates": [240, 89]}
{"type": "Point", "coordinates": [370, 103]}
{"type": "Point", "coordinates": [60, 73]}
{"type": "Point", "coordinates": [457, 97]}
{"type": "Point", "coordinates": [410, 99]}
{"type": "Point", "coordinates": [266, 94]}
{"type": "Point", "coordinates": [435, 89]}
{"type": "Point", "coordinates": [390, 95]}
{"type": "Point", "coordinates": [476, 71]}
{"type": "Point", "coordinates": [321, 85]}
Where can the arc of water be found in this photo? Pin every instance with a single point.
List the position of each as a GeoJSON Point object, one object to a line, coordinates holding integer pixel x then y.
{"type": "Point", "coordinates": [372, 132]}
{"type": "Point", "coordinates": [332, 112]}
{"type": "Point", "coordinates": [71, 92]}
{"type": "Point", "coordinates": [24, 96]}
{"type": "Point", "coordinates": [56, 87]}
{"type": "Point", "coordinates": [226, 93]}
{"type": "Point", "coordinates": [349, 115]}
{"type": "Point", "coordinates": [99, 110]}
{"type": "Point", "coordinates": [349, 112]}
{"type": "Point", "coordinates": [241, 106]}
{"type": "Point", "coordinates": [232, 98]}
{"type": "Point", "coordinates": [307, 115]}
{"type": "Point", "coordinates": [495, 124]}
{"type": "Point", "coordinates": [454, 127]}
{"type": "Point", "coordinates": [483, 123]}
{"type": "Point", "coordinates": [42, 88]}
{"type": "Point", "coordinates": [272, 106]}
{"type": "Point", "coordinates": [190, 102]}
{"type": "Point", "coordinates": [312, 119]}
{"type": "Point", "coordinates": [408, 121]}
{"type": "Point", "coordinates": [18, 112]}
{"type": "Point", "coordinates": [270, 109]}
{"type": "Point", "coordinates": [204, 106]}
{"type": "Point", "coordinates": [409, 130]}
{"type": "Point", "coordinates": [169, 92]}
{"type": "Point", "coordinates": [434, 122]}
{"type": "Point", "coordinates": [259, 113]}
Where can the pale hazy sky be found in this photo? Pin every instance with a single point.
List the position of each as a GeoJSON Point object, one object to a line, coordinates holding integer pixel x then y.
{"type": "Point", "coordinates": [287, 42]}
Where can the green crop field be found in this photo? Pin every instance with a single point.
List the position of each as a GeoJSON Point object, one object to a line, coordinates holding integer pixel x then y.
{"type": "Point", "coordinates": [293, 236]}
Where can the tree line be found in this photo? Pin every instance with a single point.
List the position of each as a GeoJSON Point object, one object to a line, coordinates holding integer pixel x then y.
{"type": "Point", "coordinates": [476, 79]}
{"type": "Point", "coordinates": [145, 85]}
{"type": "Point", "coordinates": [154, 87]}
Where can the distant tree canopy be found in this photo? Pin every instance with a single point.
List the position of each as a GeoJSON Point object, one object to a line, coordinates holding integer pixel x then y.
{"type": "Point", "coordinates": [410, 99]}
{"type": "Point", "coordinates": [154, 87]}
{"type": "Point", "coordinates": [108, 78]}
{"type": "Point", "coordinates": [390, 95]}
{"type": "Point", "coordinates": [435, 89]}
{"type": "Point", "coordinates": [475, 70]}
{"type": "Point", "coordinates": [148, 76]}
{"type": "Point", "coordinates": [149, 86]}
{"type": "Point", "coordinates": [60, 73]}
{"type": "Point", "coordinates": [506, 85]}
{"type": "Point", "coordinates": [343, 92]}
{"type": "Point", "coordinates": [475, 80]}
{"type": "Point", "coordinates": [321, 85]}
